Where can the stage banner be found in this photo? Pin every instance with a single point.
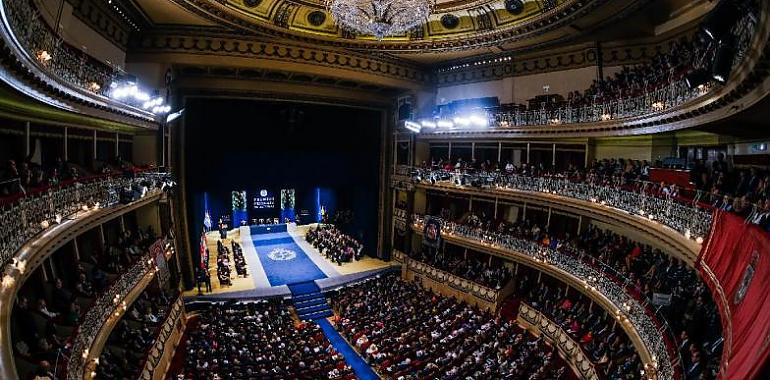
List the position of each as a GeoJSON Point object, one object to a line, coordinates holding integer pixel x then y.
{"type": "Point", "coordinates": [432, 232]}
{"type": "Point", "coordinates": [735, 264]}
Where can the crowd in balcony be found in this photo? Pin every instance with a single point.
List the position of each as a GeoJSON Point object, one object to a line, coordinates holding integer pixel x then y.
{"type": "Point", "coordinates": [259, 341]}
{"type": "Point", "coordinates": [334, 244]}
{"type": "Point", "coordinates": [603, 342]}
{"type": "Point", "coordinates": [474, 269]}
{"type": "Point", "coordinates": [745, 192]}
{"type": "Point", "coordinates": [406, 332]}
{"type": "Point", "coordinates": [133, 336]}
{"type": "Point", "coordinates": [22, 176]}
{"type": "Point", "coordinates": [645, 271]}
{"type": "Point", "coordinates": [663, 68]}
{"type": "Point", "coordinates": [43, 319]}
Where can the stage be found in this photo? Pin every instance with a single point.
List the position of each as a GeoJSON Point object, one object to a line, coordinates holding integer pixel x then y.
{"type": "Point", "coordinates": [278, 257]}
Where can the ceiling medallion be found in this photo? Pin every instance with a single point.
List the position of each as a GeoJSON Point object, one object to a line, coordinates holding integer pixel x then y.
{"type": "Point", "coordinates": [380, 18]}
{"type": "Point", "coordinates": [514, 7]}
{"type": "Point", "coordinates": [450, 21]}
{"type": "Point", "coordinates": [316, 18]}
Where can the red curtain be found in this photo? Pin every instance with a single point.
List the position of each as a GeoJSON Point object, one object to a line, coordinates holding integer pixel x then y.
{"type": "Point", "coordinates": [735, 263]}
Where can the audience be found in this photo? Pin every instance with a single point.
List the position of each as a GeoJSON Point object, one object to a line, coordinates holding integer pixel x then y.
{"type": "Point", "coordinates": [471, 268]}
{"type": "Point", "coordinates": [43, 321]}
{"type": "Point", "coordinates": [645, 272]}
{"type": "Point", "coordinates": [259, 341]}
{"type": "Point", "coordinates": [405, 332]}
{"type": "Point", "coordinates": [335, 245]}
{"type": "Point", "coordinates": [745, 192]}
{"type": "Point", "coordinates": [132, 338]}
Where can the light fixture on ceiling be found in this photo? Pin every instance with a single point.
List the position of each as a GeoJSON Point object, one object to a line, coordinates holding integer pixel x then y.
{"type": "Point", "coordinates": [380, 18]}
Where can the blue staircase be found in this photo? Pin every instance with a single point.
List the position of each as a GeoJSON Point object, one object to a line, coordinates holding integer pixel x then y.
{"type": "Point", "coordinates": [309, 302]}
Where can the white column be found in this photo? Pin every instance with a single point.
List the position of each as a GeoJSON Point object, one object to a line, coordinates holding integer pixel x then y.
{"type": "Point", "coordinates": [449, 154]}
{"type": "Point", "coordinates": [548, 223]}
{"type": "Point", "coordinates": [473, 150]}
{"type": "Point", "coordinates": [66, 136]}
{"type": "Point", "coordinates": [499, 152]}
{"type": "Point", "coordinates": [553, 157]}
{"type": "Point", "coordinates": [26, 140]}
{"type": "Point", "coordinates": [117, 144]}
{"type": "Point", "coordinates": [94, 151]}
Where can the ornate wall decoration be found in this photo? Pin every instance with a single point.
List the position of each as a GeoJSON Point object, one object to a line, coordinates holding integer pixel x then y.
{"type": "Point", "coordinates": [252, 3]}
{"type": "Point", "coordinates": [450, 21]}
{"type": "Point", "coordinates": [316, 18]}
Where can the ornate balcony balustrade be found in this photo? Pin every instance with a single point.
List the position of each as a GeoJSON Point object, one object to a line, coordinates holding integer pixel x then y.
{"type": "Point", "coordinates": [110, 304]}
{"type": "Point", "coordinates": [687, 218]}
{"type": "Point", "coordinates": [54, 72]}
{"type": "Point", "coordinates": [464, 285]}
{"type": "Point", "coordinates": [34, 213]}
{"type": "Point", "coordinates": [655, 100]}
{"type": "Point", "coordinates": [629, 310]}
{"type": "Point", "coordinates": [571, 349]}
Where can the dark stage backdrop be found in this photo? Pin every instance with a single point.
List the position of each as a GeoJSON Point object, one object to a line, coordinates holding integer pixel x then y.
{"type": "Point", "coordinates": [234, 145]}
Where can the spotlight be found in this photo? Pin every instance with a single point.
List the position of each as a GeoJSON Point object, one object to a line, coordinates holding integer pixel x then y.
{"type": "Point", "coordinates": [428, 124]}
{"type": "Point", "coordinates": [723, 60]}
{"type": "Point", "coordinates": [445, 124]}
{"type": "Point", "coordinates": [721, 19]}
{"type": "Point", "coordinates": [697, 78]}
{"type": "Point", "coordinates": [461, 121]}
{"type": "Point", "coordinates": [478, 121]}
{"type": "Point", "coordinates": [412, 126]}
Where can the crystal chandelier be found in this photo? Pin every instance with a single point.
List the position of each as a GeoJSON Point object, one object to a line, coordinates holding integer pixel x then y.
{"type": "Point", "coordinates": [380, 18]}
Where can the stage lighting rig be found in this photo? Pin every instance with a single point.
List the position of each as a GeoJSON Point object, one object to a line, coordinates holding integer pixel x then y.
{"type": "Point", "coordinates": [721, 19]}
{"type": "Point", "coordinates": [723, 60]}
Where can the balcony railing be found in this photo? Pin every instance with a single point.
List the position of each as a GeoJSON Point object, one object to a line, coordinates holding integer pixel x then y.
{"type": "Point", "coordinates": [32, 214]}
{"type": "Point", "coordinates": [629, 309]}
{"type": "Point", "coordinates": [687, 218]}
{"type": "Point", "coordinates": [110, 303]}
{"type": "Point", "coordinates": [673, 93]}
{"type": "Point", "coordinates": [464, 285]}
{"type": "Point", "coordinates": [54, 56]}
{"type": "Point", "coordinates": [561, 339]}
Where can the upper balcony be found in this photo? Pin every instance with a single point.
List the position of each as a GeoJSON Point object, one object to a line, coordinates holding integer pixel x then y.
{"type": "Point", "coordinates": [711, 80]}
{"type": "Point", "coordinates": [38, 64]}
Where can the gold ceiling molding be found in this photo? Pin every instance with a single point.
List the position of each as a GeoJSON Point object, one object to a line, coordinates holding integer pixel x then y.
{"type": "Point", "coordinates": [480, 23]}
{"type": "Point", "coordinates": [259, 54]}
{"type": "Point", "coordinates": [94, 14]}
{"type": "Point", "coordinates": [560, 59]}
{"type": "Point", "coordinates": [200, 81]}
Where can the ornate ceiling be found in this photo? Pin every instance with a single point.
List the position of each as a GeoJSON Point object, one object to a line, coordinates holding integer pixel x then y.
{"type": "Point", "coordinates": [456, 29]}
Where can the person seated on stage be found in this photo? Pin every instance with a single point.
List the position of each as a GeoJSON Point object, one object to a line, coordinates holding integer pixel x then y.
{"type": "Point", "coordinates": [335, 245]}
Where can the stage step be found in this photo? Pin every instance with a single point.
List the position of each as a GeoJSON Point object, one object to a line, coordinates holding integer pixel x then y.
{"type": "Point", "coordinates": [316, 315]}
{"type": "Point", "coordinates": [309, 302]}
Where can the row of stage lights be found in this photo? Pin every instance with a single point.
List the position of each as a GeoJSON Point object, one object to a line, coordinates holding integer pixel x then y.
{"type": "Point", "coordinates": [128, 91]}
{"type": "Point", "coordinates": [474, 120]}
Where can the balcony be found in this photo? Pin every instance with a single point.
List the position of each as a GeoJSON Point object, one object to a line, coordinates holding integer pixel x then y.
{"type": "Point", "coordinates": [635, 315]}
{"type": "Point", "coordinates": [679, 223]}
{"type": "Point", "coordinates": [43, 67]}
{"type": "Point", "coordinates": [36, 225]}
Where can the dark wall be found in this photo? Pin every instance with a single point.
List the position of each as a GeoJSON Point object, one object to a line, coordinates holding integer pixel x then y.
{"type": "Point", "coordinates": [248, 145]}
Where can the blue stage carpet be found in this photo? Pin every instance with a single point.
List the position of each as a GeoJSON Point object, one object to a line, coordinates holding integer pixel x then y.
{"type": "Point", "coordinates": [284, 261]}
{"type": "Point", "coordinates": [359, 366]}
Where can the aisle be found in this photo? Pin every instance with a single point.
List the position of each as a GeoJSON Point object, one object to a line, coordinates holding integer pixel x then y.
{"type": "Point", "coordinates": [359, 366]}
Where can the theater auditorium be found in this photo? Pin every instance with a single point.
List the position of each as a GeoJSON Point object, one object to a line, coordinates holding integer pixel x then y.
{"type": "Point", "coordinates": [384, 189]}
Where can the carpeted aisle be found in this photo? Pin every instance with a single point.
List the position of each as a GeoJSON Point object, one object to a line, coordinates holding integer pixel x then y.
{"type": "Point", "coordinates": [283, 260]}
{"type": "Point", "coordinates": [359, 366]}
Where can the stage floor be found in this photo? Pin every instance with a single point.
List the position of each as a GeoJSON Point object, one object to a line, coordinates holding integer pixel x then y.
{"type": "Point", "coordinates": [277, 259]}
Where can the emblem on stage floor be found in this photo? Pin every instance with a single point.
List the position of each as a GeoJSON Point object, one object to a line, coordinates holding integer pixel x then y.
{"type": "Point", "coordinates": [282, 254]}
